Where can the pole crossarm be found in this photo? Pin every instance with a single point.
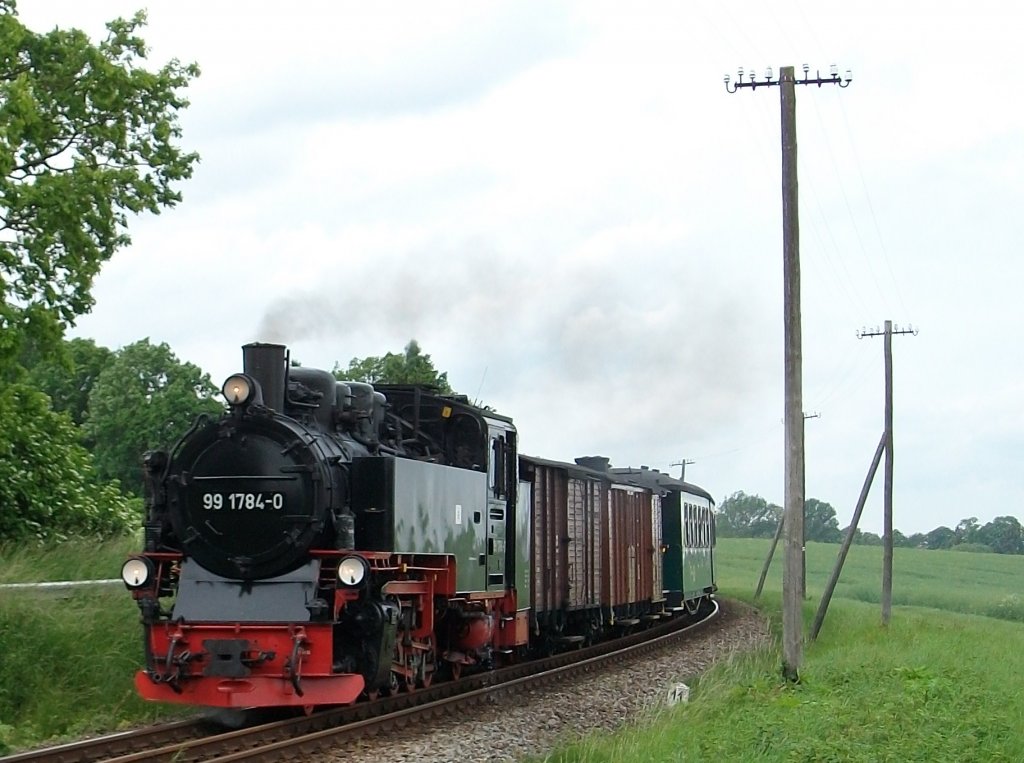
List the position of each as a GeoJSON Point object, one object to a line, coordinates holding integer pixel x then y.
{"type": "Point", "coordinates": [882, 332]}
{"type": "Point", "coordinates": [682, 464]}
{"type": "Point", "coordinates": [832, 79]}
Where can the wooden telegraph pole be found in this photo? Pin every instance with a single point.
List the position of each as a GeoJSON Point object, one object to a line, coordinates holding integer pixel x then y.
{"type": "Point", "coordinates": [887, 500]}
{"type": "Point", "coordinates": [793, 516]}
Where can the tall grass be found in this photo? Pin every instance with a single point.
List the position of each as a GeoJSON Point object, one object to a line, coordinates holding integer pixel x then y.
{"type": "Point", "coordinates": [67, 658]}
{"type": "Point", "coordinates": [939, 684]}
{"type": "Point", "coordinates": [73, 560]}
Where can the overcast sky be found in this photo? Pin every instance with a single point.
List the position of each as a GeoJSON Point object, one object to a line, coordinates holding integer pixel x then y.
{"type": "Point", "coordinates": [565, 208]}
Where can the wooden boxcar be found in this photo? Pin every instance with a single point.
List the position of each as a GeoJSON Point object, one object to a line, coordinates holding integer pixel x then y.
{"type": "Point", "coordinates": [569, 503]}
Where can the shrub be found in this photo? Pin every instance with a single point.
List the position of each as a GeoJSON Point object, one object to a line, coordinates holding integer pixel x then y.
{"type": "Point", "coordinates": [973, 548]}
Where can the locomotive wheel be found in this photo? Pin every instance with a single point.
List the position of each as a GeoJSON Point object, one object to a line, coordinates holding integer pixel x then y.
{"type": "Point", "coordinates": [405, 658]}
{"type": "Point", "coordinates": [428, 664]}
{"type": "Point", "coordinates": [456, 670]}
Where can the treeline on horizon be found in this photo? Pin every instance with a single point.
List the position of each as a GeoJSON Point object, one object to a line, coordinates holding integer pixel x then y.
{"type": "Point", "coordinates": [751, 516]}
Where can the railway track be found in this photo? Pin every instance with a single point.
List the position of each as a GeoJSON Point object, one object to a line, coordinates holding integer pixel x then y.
{"type": "Point", "coordinates": [300, 737]}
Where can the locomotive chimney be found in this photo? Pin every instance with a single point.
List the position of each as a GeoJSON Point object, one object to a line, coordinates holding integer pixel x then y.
{"type": "Point", "coordinates": [267, 364]}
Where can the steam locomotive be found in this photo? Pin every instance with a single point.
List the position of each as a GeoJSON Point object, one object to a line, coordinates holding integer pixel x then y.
{"type": "Point", "coordinates": [326, 540]}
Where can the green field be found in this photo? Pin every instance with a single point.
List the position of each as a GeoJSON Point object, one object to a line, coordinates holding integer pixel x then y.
{"type": "Point", "coordinates": [953, 581]}
{"type": "Point", "coordinates": [940, 684]}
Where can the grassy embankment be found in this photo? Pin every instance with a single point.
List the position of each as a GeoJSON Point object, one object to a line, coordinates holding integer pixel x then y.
{"type": "Point", "coordinates": [67, 658]}
{"type": "Point", "coordinates": [942, 683]}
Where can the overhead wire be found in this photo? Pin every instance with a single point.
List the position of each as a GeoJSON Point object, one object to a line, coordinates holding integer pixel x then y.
{"type": "Point", "coordinates": [871, 210]}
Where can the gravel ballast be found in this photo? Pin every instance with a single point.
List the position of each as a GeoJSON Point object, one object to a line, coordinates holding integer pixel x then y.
{"type": "Point", "coordinates": [509, 728]}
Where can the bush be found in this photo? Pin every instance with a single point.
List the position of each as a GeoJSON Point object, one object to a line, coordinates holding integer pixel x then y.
{"type": "Point", "coordinates": [973, 548]}
{"type": "Point", "coordinates": [1010, 607]}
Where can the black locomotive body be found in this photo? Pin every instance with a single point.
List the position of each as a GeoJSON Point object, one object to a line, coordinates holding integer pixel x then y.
{"type": "Point", "coordinates": [324, 540]}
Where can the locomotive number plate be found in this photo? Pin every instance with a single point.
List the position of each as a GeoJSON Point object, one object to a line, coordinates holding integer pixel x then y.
{"type": "Point", "coordinates": [243, 501]}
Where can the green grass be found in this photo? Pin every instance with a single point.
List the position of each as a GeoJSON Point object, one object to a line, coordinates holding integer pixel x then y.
{"type": "Point", "coordinates": [939, 684]}
{"type": "Point", "coordinates": [67, 658]}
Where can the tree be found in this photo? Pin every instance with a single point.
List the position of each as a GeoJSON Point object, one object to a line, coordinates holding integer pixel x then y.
{"type": "Point", "coordinates": [966, 531]}
{"type": "Point", "coordinates": [747, 516]}
{"type": "Point", "coordinates": [48, 486]}
{"type": "Point", "coordinates": [917, 540]}
{"type": "Point", "coordinates": [820, 522]}
{"type": "Point", "coordinates": [411, 367]}
{"type": "Point", "coordinates": [88, 136]}
{"type": "Point", "coordinates": [69, 375]}
{"type": "Point", "coordinates": [940, 537]}
{"type": "Point", "coordinates": [144, 399]}
{"type": "Point", "coordinates": [1004, 535]}
{"type": "Point", "coordinates": [867, 538]}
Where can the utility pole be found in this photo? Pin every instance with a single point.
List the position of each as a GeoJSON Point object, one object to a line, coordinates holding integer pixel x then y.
{"type": "Point", "coordinates": [887, 501]}
{"type": "Point", "coordinates": [793, 529]}
{"type": "Point", "coordinates": [682, 470]}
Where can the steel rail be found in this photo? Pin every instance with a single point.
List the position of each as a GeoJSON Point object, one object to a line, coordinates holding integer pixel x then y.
{"type": "Point", "coordinates": [97, 748]}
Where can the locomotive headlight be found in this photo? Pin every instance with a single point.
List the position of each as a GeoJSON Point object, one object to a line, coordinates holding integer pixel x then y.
{"type": "Point", "coordinates": [137, 572]}
{"type": "Point", "coordinates": [237, 389]}
{"type": "Point", "coordinates": [352, 570]}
